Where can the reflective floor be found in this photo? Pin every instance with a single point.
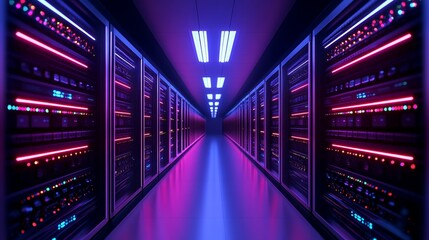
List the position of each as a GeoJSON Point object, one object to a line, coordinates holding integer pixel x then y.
{"type": "Point", "coordinates": [214, 192]}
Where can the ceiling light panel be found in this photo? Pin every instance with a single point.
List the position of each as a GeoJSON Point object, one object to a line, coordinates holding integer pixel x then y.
{"type": "Point", "coordinates": [207, 82]}
{"type": "Point", "coordinates": [218, 96]}
{"type": "Point", "coordinates": [226, 43]}
{"type": "Point", "coordinates": [220, 81]}
{"type": "Point", "coordinates": [201, 45]}
{"type": "Point", "coordinates": [210, 103]}
{"type": "Point", "coordinates": [216, 103]}
{"type": "Point", "coordinates": [210, 96]}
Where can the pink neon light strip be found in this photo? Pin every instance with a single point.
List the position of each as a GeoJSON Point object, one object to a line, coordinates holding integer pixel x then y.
{"type": "Point", "coordinates": [34, 102]}
{"type": "Point", "coordinates": [394, 155]}
{"type": "Point", "coordinates": [46, 47]}
{"type": "Point", "coordinates": [28, 157]}
{"type": "Point", "coordinates": [122, 85]}
{"type": "Point", "coordinates": [299, 114]}
{"type": "Point", "coordinates": [382, 48]}
{"type": "Point", "coordinates": [298, 88]}
{"type": "Point", "coordinates": [299, 138]}
{"type": "Point", "coordinates": [123, 113]}
{"type": "Point", "coordinates": [397, 100]}
{"type": "Point", "coordinates": [122, 139]}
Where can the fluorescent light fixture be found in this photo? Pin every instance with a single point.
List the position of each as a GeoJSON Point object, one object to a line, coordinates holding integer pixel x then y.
{"type": "Point", "coordinates": [210, 96]}
{"type": "Point", "coordinates": [396, 100]}
{"type": "Point", "coordinates": [201, 45]}
{"type": "Point", "coordinates": [216, 108]}
{"type": "Point", "coordinates": [387, 154]}
{"type": "Point", "coordinates": [53, 9]}
{"type": "Point", "coordinates": [226, 42]}
{"type": "Point", "coordinates": [218, 96]}
{"type": "Point", "coordinates": [384, 4]}
{"type": "Point", "coordinates": [207, 82]}
{"type": "Point", "coordinates": [220, 81]}
{"type": "Point", "coordinates": [48, 48]}
{"type": "Point", "coordinates": [382, 48]}
{"type": "Point", "coordinates": [216, 103]}
{"type": "Point", "coordinates": [210, 103]}
{"type": "Point", "coordinates": [211, 108]}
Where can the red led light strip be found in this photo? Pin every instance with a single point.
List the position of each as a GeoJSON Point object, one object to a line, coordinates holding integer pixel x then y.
{"type": "Point", "coordinates": [28, 157]}
{"type": "Point", "coordinates": [123, 113]}
{"type": "Point", "coordinates": [393, 155]}
{"type": "Point", "coordinates": [299, 138]}
{"type": "Point", "coordinates": [122, 85]}
{"type": "Point", "coordinates": [122, 139]}
{"type": "Point", "coordinates": [397, 100]}
{"type": "Point", "coordinates": [299, 114]}
{"type": "Point", "coordinates": [382, 48]}
{"type": "Point", "coordinates": [50, 49]}
{"type": "Point", "coordinates": [34, 102]}
{"type": "Point", "coordinates": [298, 88]}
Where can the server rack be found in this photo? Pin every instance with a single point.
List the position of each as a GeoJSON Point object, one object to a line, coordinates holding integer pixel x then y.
{"type": "Point", "coordinates": [150, 123]}
{"type": "Point", "coordinates": [173, 124]}
{"type": "Point", "coordinates": [179, 125]}
{"type": "Point", "coordinates": [370, 161]}
{"type": "Point", "coordinates": [54, 91]}
{"type": "Point", "coordinates": [247, 124]}
{"type": "Point", "coordinates": [126, 121]}
{"type": "Point", "coordinates": [253, 124]}
{"type": "Point", "coordinates": [273, 124]}
{"type": "Point", "coordinates": [260, 108]}
{"type": "Point", "coordinates": [297, 142]}
{"type": "Point", "coordinates": [163, 111]}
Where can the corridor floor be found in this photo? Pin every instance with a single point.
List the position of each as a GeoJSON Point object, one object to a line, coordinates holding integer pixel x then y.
{"type": "Point", "coordinates": [214, 192]}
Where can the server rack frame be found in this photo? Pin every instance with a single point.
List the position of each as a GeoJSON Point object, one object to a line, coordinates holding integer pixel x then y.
{"type": "Point", "coordinates": [261, 85]}
{"type": "Point", "coordinates": [147, 64]}
{"type": "Point", "coordinates": [266, 81]}
{"type": "Point", "coordinates": [285, 114]}
{"type": "Point", "coordinates": [341, 9]}
{"type": "Point", "coordinates": [114, 33]}
{"type": "Point", "coordinates": [86, 6]}
{"type": "Point", "coordinates": [167, 102]}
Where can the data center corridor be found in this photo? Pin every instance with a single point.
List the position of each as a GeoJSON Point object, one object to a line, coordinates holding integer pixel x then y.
{"type": "Point", "coordinates": [214, 192]}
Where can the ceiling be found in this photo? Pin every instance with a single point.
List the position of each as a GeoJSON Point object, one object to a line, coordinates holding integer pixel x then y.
{"type": "Point", "coordinates": [256, 22]}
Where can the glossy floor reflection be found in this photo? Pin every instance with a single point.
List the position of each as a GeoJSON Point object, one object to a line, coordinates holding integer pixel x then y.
{"type": "Point", "coordinates": [214, 192]}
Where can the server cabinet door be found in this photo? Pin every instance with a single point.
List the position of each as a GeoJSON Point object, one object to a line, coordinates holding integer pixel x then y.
{"type": "Point", "coordinates": [55, 118]}
{"type": "Point", "coordinates": [296, 164]}
{"type": "Point", "coordinates": [126, 111]}
{"type": "Point", "coordinates": [163, 102]}
{"type": "Point", "coordinates": [150, 123]}
{"type": "Point", "coordinates": [370, 128]}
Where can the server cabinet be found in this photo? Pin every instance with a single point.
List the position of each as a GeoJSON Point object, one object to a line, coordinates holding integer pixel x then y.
{"type": "Point", "coordinates": [163, 109]}
{"type": "Point", "coordinates": [173, 124]}
{"type": "Point", "coordinates": [150, 123]}
{"type": "Point", "coordinates": [260, 93]}
{"type": "Point", "coordinates": [126, 121]}
{"type": "Point", "coordinates": [370, 162]}
{"type": "Point", "coordinates": [246, 125]}
{"type": "Point", "coordinates": [54, 158]}
{"type": "Point", "coordinates": [253, 130]}
{"type": "Point", "coordinates": [273, 124]}
{"type": "Point", "coordinates": [297, 144]}
{"type": "Point", "coordinates": [179, 125]}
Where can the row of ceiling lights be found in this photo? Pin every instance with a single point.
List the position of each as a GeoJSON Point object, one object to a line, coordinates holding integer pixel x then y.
{"type": "Point", "coordinates": [201, 47]}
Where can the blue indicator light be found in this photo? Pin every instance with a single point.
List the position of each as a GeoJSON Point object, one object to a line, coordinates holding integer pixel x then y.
{"type": "Point", "coordinates": [66, 222]}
